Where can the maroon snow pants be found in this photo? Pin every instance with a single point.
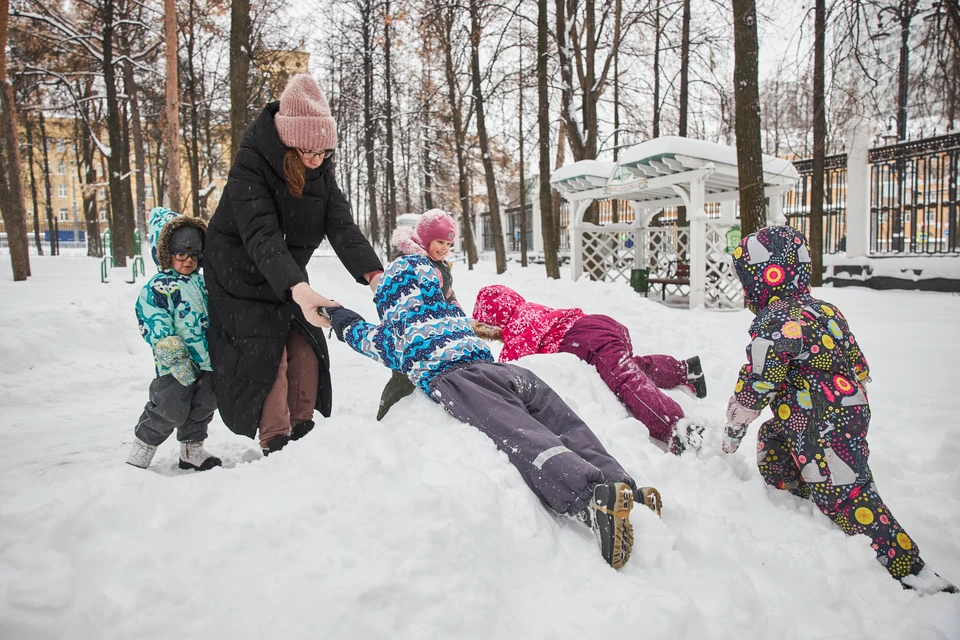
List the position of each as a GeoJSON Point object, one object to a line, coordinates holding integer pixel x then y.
{"type": "Point", "coordinates": [605, 343]}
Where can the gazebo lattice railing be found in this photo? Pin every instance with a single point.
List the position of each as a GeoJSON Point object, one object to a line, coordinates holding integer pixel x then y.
{"type": "Point", "coordinates": [660, 173]}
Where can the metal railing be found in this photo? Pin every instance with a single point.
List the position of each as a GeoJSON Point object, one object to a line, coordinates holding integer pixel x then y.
{"type": "Point", "coordinates": [914, 203]}
{"type": "Point", "coordinates": [798, 201]}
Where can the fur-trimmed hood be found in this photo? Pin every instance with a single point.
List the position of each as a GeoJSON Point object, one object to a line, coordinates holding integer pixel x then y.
{"type": "Point", "coordinates": [406, 242]}
{"type": "Point", "coordinates": [163, 222]}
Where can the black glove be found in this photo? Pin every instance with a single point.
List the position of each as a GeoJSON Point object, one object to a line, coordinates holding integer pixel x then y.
{"type": "Point", "coordinates": [340, 318]}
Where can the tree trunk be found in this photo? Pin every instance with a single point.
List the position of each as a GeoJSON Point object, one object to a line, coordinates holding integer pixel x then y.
{"type": "Point", "coordinates": [496, 228]}
{"type": "Point", "coordinates": [684, 90]}
{"type": "Point", "coordinates": [615, 205]}
{"type": "Point", "coordinates": [193, 158]}
{"type": "Point", "coordinates": [130, 85]}
{"type": "Point", "coordinates": [819, 146]}
{"type": "Point", "coordinates": [87, 180]}
{"type": "Point", "coordinates": [47, 189]}
{"type": "Point", "coordinates": [391, 212]}
{"type": "Point", "coordinates": [28, 127]}
{"type": "Point", "coordinates": [11, 187]}
{"type": "Point", "coordinates": [173, 106]}
{"type": "Point", "coordinates": [426, 143]}
{"type": "Point", "coordinates": [523, 179]}
{"type": "Point", "coordinates": [656, 71]}
{"type": "Point", "coordinates": [459, 138]}
{"type": "Point", "coordinates": [118, 162]}
{"type": "Point", "coordinates": [550, 248]}
{"type": "Point", "coordinates": [368, 121]}
{"type": "Point", "coordinates": [239, 70]}
{"type": "Point", "coordinates": [746, 91]}
{"type": "Point", "coordinates": [903, 72]}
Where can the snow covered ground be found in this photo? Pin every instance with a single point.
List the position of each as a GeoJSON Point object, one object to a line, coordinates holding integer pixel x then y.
{"type": "Point", "coordinates": [416, 527]}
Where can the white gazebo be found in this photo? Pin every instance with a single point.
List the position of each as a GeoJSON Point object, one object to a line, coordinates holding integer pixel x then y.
{"type": "Point", "coordinates": [666, 172]}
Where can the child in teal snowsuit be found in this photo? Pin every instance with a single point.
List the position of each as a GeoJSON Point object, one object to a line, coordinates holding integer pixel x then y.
{"type": "Point", "coordinates": [804, 361]}
{"type": "Point", "coordinates": [172, 313]}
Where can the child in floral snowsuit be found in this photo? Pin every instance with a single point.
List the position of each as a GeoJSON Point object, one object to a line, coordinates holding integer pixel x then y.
{"type": "Point", "coordinates": [804, 362]}
{"type": "Point", "coordinates": [172, 313]}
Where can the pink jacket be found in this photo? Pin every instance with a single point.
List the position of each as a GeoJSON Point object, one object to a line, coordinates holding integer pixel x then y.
{"type": "Point", "coordinates": [528, 328]}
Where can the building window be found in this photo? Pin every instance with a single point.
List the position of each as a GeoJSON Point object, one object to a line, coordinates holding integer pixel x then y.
{"type": "Point", "coordinates": [102, 192]}
{"type": "Point", "coordinates": [61, 168]}
{"type": "Point", "coordinates": [61, 145]}
{"type": "Point", "coordinates": [103, 214]}
{"type": "Point", "coordinates": [148, 191]}
{"type": "Point", "coordinates": [62, 191]}
{"type": "Point", "coordinates": [64, 215]}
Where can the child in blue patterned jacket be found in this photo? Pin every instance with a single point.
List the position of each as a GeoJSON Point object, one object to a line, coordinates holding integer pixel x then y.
{"type": "Point", "coordinates": [172, 312]}
{"type": "Point", "coordinates": [431, 341]}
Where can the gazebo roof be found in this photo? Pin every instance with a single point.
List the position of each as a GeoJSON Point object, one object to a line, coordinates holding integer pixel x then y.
{"type": "Point", "coordinates": [647, 172]}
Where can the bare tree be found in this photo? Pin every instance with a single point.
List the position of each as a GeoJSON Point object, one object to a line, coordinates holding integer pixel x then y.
{"type": "Point", "coordinates": [746, 91]}
{"type": "Point", "coordinates": [173, 105]}
{"type": "Point", "coordinates": [492, 198]}
{"type": "Point", "coordinates": [819, 142]}
{"type": "Point", "coordinates": [11, 186]}
{"type": "Point", "coordinates": [391, 208]}
{"type": "Point", "coordinates": [239, 70]}
{"type": "Point", "coordinates": [547, 223]}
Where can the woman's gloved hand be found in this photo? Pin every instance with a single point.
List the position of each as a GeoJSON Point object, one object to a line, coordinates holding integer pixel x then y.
{"type": "Point", "coordinates": [309, 302]}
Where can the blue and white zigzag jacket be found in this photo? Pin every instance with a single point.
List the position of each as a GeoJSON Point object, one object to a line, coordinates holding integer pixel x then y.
{"type": "Point", "coordinates": [420, 334]}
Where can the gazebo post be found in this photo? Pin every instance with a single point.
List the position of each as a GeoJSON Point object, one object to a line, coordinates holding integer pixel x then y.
{"type": "Point", "coordinates": [698, 239]}
{"type": "Point", "coordinates": [578, 208]}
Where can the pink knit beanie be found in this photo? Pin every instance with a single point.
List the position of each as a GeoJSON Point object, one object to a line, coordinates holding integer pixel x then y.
{"type": "Point", "coordinates": [304, 119]}
{"type": "Point", "coordinates": [436, 224]}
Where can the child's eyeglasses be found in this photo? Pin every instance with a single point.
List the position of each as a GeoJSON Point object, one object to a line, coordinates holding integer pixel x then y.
{"type": "Point", "coordinates": [309, 155]}
{"type": "Point", "coordinates": [196, 255]}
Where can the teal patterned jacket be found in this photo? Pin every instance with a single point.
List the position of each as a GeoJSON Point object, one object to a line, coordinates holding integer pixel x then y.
{"type": "Point", "coordinates": [171, 304]}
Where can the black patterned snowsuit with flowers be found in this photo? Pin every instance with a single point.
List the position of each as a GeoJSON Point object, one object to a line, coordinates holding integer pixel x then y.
{"type": "Point", "coordinates": [804, 361]}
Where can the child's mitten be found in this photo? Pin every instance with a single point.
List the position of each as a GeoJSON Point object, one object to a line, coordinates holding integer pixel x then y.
{"type": "Point", "coordinates": [738, 419]}
{"type": "Point", "coordinates": [171, 353]}
{"type": "Point", "coordinates": [340, 318]}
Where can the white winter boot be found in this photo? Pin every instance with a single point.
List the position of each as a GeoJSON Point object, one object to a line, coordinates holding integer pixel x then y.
{"type": "Point", "coordinates": [141, 453]}
{"type": "Point", "coordinates": [194, 456]}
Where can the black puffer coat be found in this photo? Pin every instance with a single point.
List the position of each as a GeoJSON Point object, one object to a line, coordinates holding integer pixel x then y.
{"type": "Point", "coordinates": [258, 244]}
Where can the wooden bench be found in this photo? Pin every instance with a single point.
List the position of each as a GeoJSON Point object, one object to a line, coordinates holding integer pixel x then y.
{"type": "Point", "coordinates": [678, 274]}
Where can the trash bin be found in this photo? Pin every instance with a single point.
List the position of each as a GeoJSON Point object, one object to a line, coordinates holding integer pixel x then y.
{"type": "Point", "coordinates": [638, 280]}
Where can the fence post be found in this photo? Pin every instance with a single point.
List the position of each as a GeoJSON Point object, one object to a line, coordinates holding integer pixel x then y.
{"type": "Point", "coordinates": [858, 191]}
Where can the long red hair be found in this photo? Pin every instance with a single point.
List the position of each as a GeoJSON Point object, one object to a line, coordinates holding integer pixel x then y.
{"type": "Point", "coordinates": [294, 172]}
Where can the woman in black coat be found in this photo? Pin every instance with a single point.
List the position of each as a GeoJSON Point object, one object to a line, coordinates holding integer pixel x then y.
{"type": "Point", "coordinates": [269, 356]}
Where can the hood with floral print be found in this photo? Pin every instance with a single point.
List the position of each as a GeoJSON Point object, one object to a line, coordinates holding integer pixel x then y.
{"type": "Point", "coordinates": [772, 264]}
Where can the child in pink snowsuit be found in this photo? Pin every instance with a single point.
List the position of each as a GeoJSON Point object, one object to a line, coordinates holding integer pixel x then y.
{"type": "Point", "coordinates": [527, 328]}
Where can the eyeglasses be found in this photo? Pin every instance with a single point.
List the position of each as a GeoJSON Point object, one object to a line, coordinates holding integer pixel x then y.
{"type": "Point", "coordinates": [310, 155]}
{"type": "Point", "coordinates": [196, 255]}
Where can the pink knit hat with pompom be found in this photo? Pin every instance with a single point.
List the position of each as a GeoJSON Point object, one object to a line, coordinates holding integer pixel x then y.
{"type": "Point", "coordinates": [304, 119]}
{"type": "Point", "coordinates": [436, 224]}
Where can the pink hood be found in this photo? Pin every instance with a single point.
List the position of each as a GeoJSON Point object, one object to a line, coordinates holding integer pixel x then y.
{"type": "Point", "coordinates": [528, 328]}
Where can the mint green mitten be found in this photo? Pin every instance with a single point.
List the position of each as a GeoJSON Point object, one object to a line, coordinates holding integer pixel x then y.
{"type": "Point", "coordinates": [171, 353]}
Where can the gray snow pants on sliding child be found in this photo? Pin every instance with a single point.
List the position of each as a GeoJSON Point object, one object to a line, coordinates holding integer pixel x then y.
{"type": "Point", "coordinates": [172, 406]}
{"type": "Point", "coordinates": [558, 456]}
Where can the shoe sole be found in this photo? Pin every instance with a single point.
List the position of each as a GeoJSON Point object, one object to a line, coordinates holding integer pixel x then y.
{"type": "Point", "coordinates": [622, 529]}
{"type": "Point", "coordinates": [652, 500]}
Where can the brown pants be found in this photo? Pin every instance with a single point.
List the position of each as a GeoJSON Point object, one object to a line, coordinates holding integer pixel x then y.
{"type": "Point", "coordinates": [294, 394]}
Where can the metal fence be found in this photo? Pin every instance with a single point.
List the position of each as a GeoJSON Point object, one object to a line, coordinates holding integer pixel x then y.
{"type": "Point", "coordinates": [913, 197]}
{"type": "Point", "coordinates": [798, 201]}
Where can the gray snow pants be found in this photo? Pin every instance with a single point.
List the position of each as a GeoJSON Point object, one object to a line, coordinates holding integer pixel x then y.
{"type": "Point", "coordinates": [172, 406]}
{"type": "Point", "coordinates": [558, 456]}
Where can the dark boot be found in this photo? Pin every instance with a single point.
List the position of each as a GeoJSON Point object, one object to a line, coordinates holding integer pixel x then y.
{"type": "Point", "coordinates": [695, 380]}
{"type": "Point", "coordinates": [275, 444]}
{"type": "Point", "coordinates": [609, 512]}
{"type": "Point", "coordinates": [301, 429]}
